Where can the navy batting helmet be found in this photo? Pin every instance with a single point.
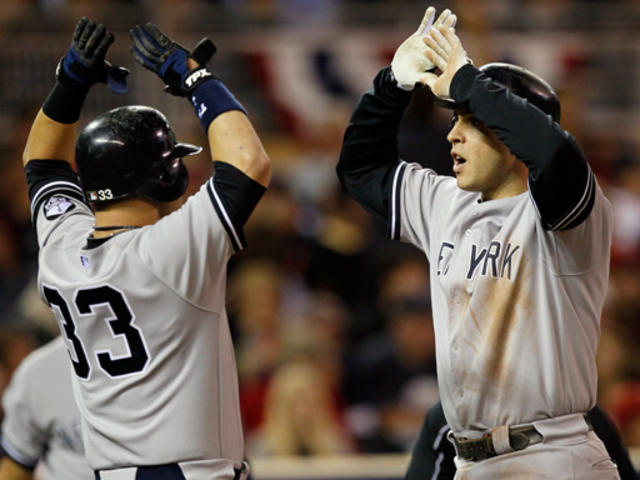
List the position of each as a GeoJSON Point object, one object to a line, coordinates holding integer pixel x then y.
{"type": "Point", "coordinates": [131, 151]}
{"type": "Point", "coordinates": [521, 82]}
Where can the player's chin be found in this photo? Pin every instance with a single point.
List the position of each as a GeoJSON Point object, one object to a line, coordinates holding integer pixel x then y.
{"type": "Point", "coordinates": [464, 182]}
{"type": "Point", "coordinates": [468, 185]}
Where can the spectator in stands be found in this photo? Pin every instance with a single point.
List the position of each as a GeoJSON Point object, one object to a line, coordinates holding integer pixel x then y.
{"type": "Point", "coordinates": [302, 410]}
{"type": "Point", "coordinates": [391, 377]}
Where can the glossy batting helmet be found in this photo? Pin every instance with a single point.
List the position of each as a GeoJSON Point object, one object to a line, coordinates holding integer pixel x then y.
{"type": "Point", "coordinates": [131, 151]}
{"type": "Point", "coordinates": [521, 82]}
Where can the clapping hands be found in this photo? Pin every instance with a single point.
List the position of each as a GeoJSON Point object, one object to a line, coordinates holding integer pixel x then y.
{"type": "Point", "coordinates": [446, 52]}
{"type": "Point", "coordinates": [410, 61]}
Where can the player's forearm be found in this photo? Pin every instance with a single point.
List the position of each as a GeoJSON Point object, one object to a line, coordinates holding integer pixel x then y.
{"type": "Point", "coordinates": [232, 139]}
{"type": "Point", "coordinates": [53, 133]}
{"type": "Point", "coordinates": [370, 147]}
{"type": "Point", "coordinates": [371, 136]}
{"type": "Point", "coordinates": [49, 139]}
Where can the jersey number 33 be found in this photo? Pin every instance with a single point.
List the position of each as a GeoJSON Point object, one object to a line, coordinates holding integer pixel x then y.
{"type": "Point", "coordinates": [121, 324]}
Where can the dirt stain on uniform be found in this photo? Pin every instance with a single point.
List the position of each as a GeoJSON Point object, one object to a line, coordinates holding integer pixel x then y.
{"type": "Point", "coordinates": [503, 307]}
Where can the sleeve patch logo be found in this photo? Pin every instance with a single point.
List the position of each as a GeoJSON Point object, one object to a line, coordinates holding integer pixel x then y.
{"type": "Point", "coordinates": [56, 206]}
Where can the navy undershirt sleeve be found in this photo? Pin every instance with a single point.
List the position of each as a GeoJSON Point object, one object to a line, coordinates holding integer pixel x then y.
{"type": "Point", "coordinates": [370, 147]}
{"type": "Point", "coordinates": [45, 177]}
{"type": "Point", "coordinates": [238, 195]}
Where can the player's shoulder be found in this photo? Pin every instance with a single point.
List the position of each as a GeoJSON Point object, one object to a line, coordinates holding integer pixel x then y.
{"type": "Point", "coordinates": [63, 220]}
{"type": "Point", "coordinates": [195, 206]}
{"type": "Point", "coordinates": [414, 168]}
{"type": "Point", "coordinates": [415, 174]}
{"type": "Point", "coordinates": [593, 215]}
{"type": "Point", "coordinates": [198, 213]}
{"type": "Point", "coordinates": [602, 199]}
{"type": "Point", "coordinates": [39, 372]}
{"type": "Point", "coordinates": [61, 205]}
{"type": "Point", "coordinates": [47, 358]}
{"type": "Point", "coordinates": [52, 185]}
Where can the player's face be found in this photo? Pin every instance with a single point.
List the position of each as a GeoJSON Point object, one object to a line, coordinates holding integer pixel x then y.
{"type": "Point", "coordinates": [481, 162]}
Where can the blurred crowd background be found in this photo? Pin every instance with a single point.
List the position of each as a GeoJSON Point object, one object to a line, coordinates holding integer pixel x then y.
{"type": "Point", "coordinates": [332, 322]}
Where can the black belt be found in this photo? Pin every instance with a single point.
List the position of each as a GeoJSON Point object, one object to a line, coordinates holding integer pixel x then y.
{"type": "Point", "coordinates": [490, 444]}
{"type": "Point", "coordinates": [170, 471]}
{"type": "Point", "coordinates": [174, 472]}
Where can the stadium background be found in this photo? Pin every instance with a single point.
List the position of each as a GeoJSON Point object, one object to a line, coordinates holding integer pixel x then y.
{"type": "Point", "coordinates": [331, 321]}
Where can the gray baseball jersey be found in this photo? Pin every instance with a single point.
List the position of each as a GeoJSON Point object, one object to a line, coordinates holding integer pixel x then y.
{"type": "Point", "coordinates": [41, 425]}
{"type": "Point", "coordinates": [144, 320]}
{"type": "Point", "coordinates": [516, 307]}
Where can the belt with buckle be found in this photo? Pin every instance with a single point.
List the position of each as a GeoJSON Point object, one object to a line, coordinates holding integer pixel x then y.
{"type": "Point", "coordinates": [499, 440]}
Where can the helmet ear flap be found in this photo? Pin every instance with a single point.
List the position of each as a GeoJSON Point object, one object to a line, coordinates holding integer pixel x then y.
{"type": "Point", "coordinates": [169, 184]}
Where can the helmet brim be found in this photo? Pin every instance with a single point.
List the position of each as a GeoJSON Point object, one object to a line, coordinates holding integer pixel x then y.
{"type": "Point", "coordinates": [445, 102]}
{"type": "Point", "coordinates": [185, 149]}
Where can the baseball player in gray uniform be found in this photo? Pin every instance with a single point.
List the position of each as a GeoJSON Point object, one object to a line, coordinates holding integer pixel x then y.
{"type": "Point", "coordinates": [518, 246]}
{"type": "Point", "coordinates": [136, 284]}
{"type": "Point", "coordinates": [41, 435]}
{"type": "Point", "coordinates": [432, 456]}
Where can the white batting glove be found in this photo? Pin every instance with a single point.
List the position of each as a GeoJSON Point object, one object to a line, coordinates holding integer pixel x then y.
{"type": "Point", "coordinates": [410, 63]}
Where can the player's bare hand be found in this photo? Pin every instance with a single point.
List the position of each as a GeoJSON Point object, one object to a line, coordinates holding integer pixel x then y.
{"type": "Point", "coordinates": [410, 61]}
{"type": "Point", "coordinates": [446, 52]}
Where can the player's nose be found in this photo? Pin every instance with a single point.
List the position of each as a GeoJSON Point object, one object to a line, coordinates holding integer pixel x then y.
{"type": "Point", "coordinates": [455, 135]}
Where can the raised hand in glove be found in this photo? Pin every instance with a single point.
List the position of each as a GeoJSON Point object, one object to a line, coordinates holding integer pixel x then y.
{"type": "Point", "coordinates": [410, 62]}
{"type": "Point", "coordinates": [157, 52]}
{"type": "Point", "coordinates": [84, 64]}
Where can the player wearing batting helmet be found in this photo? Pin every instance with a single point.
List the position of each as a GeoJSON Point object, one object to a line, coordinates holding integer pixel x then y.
{"type": "Point", "coordinates": [136, 283]}
{"type": "Point", "coordinates": [518, 246]}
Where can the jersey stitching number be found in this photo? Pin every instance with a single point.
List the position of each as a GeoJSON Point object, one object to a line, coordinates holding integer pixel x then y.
{"type": "Point", "coordinates": [80, 363]}
{"type": "Point", "coordinates": [120, 324]}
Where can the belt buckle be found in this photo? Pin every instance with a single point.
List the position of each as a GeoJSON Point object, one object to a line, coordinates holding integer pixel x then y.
{"type": "Point", "coordinates": [497, 441]}
{"type": "Point", "coordinates": [473, 449]}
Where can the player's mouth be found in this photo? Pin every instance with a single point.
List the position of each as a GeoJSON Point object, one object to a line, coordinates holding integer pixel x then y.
{"type": "Point", "coordinates": [458, 162]}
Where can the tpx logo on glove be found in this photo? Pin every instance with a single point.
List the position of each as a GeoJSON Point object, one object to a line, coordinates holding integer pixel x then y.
{"type": "Point", "coordinates": [196, 77]}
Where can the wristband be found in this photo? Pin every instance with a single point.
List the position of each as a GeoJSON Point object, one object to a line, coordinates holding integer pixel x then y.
{"type": "Point", "coordinates": [64, 104]}
{"type": "Point", "coordinates": [195, 78]}
{"type": "Point", "coordinates": [210, 97]}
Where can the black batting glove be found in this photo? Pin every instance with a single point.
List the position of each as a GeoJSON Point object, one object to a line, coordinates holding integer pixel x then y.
{"type": "Point", "coordinates": [168, 59]}
{"type": "Point", "coordinates": [85, 64]}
